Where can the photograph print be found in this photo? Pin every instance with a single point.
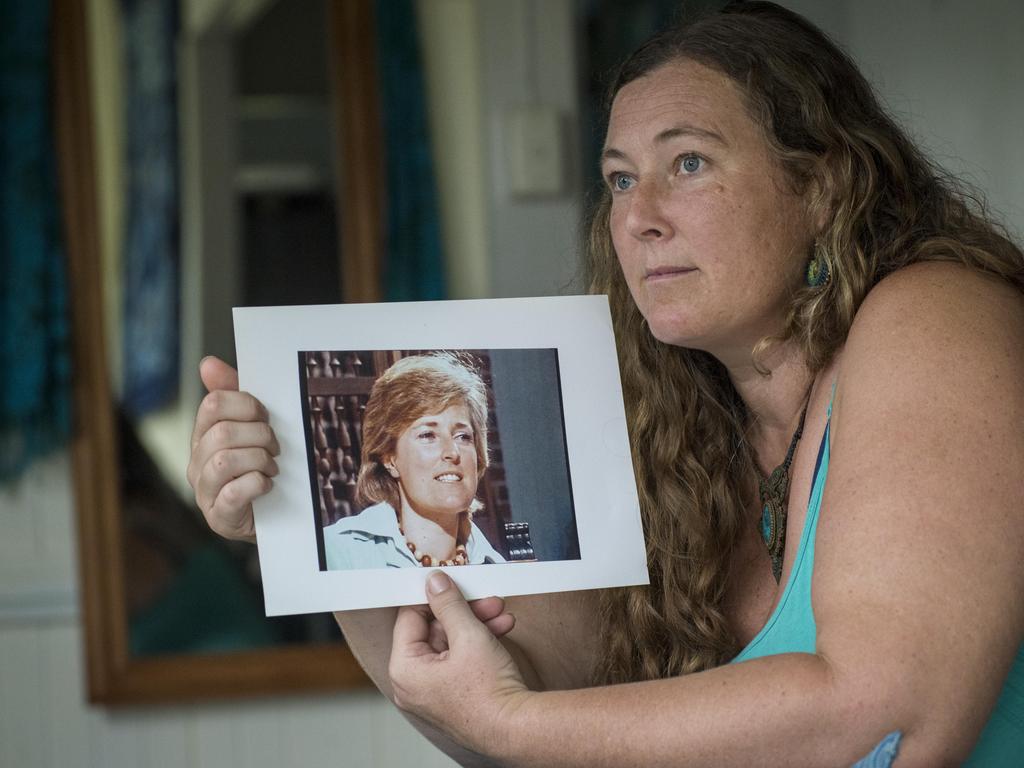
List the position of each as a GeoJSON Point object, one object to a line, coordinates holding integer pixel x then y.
{"type": "Point", "coordinates": [486, 437]}
{"type": "Point", "coordinates": [436, 458]}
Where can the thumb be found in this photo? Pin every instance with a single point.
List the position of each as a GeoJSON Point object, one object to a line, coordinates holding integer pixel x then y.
{"type": "Point", "coordinates": [450, 607]}
{"type": "Point", "coordinates": [216, 374]}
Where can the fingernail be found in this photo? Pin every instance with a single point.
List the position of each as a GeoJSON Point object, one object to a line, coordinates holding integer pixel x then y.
{"type": "Point", "coordinates": [438, 583]}
{"type": "Point", "coordinates": [207, 357]}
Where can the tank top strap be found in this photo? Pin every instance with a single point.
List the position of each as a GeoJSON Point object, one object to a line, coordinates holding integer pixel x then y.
{"type": "Point", "coordinates": [825, 438]}
{"type": "Point", "coordinates": [832, 398]}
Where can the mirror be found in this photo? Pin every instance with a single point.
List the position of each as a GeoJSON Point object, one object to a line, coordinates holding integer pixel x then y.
{"type": "Point", "coordinates": [170, 612]}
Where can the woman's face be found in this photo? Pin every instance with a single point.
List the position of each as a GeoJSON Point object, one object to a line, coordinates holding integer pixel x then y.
{"type": "Point", "coordinates": [710, 236]}
{"type": "Point", "coordinates": [435, 463]}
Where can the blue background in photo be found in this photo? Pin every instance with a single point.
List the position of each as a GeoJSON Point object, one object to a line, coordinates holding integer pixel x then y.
{"type": "Point", "coordinates": [529, 413]}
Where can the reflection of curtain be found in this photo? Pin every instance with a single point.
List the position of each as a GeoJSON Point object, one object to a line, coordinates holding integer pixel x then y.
{"type": "Point", "coordinates": [151, 239]}
{"type": "Point", "coordinates": [34, 354]}
{"type": "Point", "coordinates": [414, 263]}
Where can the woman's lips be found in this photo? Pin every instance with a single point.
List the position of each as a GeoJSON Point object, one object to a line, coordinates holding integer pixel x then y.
{"type": "Point", "coordinates": [665, 273]}
{"type": "Point", "coordinates": [449, 477]}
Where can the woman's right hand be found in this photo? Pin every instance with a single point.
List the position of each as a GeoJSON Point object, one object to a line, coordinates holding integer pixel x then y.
{"type": "Point", "coordinates": [233, 450]}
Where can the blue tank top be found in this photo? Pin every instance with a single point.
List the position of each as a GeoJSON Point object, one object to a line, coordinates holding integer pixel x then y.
{"type": "Point", "coordinates": [791, 629]}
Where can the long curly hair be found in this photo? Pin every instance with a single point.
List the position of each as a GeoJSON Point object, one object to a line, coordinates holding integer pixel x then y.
{"type": "Point", "coordinates": [886, 205]}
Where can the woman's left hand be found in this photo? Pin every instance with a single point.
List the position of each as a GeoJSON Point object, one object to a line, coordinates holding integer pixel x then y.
{"type": "Point", "coordinates": [448, 668]}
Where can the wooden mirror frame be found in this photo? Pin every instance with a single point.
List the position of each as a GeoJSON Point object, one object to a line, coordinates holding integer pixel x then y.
{"type": "Point", "coordinates": [114, 676]}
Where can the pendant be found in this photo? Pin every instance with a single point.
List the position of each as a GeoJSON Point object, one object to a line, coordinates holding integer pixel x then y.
{"type": "Point", "coordinates": [773, 516]}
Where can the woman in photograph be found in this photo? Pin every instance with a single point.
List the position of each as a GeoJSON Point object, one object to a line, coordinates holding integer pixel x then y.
{"type": "Point", "coordinates": [424, 450]}
{"type": "Point", "coordinates": [820, 342]}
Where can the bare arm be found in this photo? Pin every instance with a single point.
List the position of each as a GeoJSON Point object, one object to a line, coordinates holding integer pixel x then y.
{"type": "Point", "coordinates": [368, 634]}
{"type": "Point", "coordinates": [553, 643]}
{"type": "Point", "coordinates": [916, 583]}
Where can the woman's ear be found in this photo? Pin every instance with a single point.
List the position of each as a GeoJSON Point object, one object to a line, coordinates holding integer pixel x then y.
{"type": "Point", "coordinates": [389, 465]}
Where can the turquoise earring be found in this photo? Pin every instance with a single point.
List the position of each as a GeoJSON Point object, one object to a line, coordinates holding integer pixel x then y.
{"type": "Point", "coordinates": [818, 274]}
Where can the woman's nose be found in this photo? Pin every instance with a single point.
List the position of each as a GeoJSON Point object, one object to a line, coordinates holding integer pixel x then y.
{"type": "Point", "coordinates": [450, 450]}
{"type": "Point", "coordinates": [646, 219]}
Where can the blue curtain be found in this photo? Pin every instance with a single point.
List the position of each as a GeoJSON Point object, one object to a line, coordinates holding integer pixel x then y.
{"type": "Point", "coordinates": [34, 344]}
{"type": "Point", "coordinates": [414, 264]}
{"type": "Point", "coordinates": [151, 254]}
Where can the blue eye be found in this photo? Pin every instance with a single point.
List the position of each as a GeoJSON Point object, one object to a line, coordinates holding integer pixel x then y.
{"type": "Point", "coordinates": [690, 163]}
{"type": "Point", "coordinates": [620, 182]}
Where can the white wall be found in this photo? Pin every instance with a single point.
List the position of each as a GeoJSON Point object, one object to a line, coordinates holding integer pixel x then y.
{"type": "Point", "coordinates": [949, 70]}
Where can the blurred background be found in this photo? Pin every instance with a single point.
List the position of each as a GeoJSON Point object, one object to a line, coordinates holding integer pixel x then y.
{"type": "Point", "coordinates": [220, 178]}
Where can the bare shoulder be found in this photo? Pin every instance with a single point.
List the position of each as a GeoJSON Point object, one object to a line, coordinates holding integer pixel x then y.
{"type": "Point", "coordinates": [933, 363]}
{"type": "Point", "coordinates": [938, 325]}
{"type": "Point", "coordinates": [940, 301]}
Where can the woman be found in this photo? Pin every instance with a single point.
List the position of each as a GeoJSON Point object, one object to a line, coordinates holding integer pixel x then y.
{"type": "Point", "coordinates": [782, 262]}
{"type": "Point", "coordinates": [424, 449]}
{"type": "Point", "coordinates": [800, 299]}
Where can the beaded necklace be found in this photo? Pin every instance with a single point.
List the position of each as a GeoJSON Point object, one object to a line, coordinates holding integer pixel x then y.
{"type": "Point", "coordinates": [774, 491]}
{"type": "Point", "coordinates": [461, 556]}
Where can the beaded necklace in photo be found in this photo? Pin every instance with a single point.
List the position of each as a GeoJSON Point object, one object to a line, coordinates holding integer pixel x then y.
{"type": "Point", "coordinates": [461, 555]}
{"type": "Point", "coordinates": [774, 491]}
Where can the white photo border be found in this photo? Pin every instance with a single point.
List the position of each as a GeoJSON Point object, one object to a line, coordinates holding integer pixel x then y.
{"type": "Point", "coordinates": [612, 551]}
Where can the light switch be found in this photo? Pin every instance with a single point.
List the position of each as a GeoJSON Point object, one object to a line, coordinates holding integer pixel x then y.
{"type": "Point", "coordinates": [535, 156]}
